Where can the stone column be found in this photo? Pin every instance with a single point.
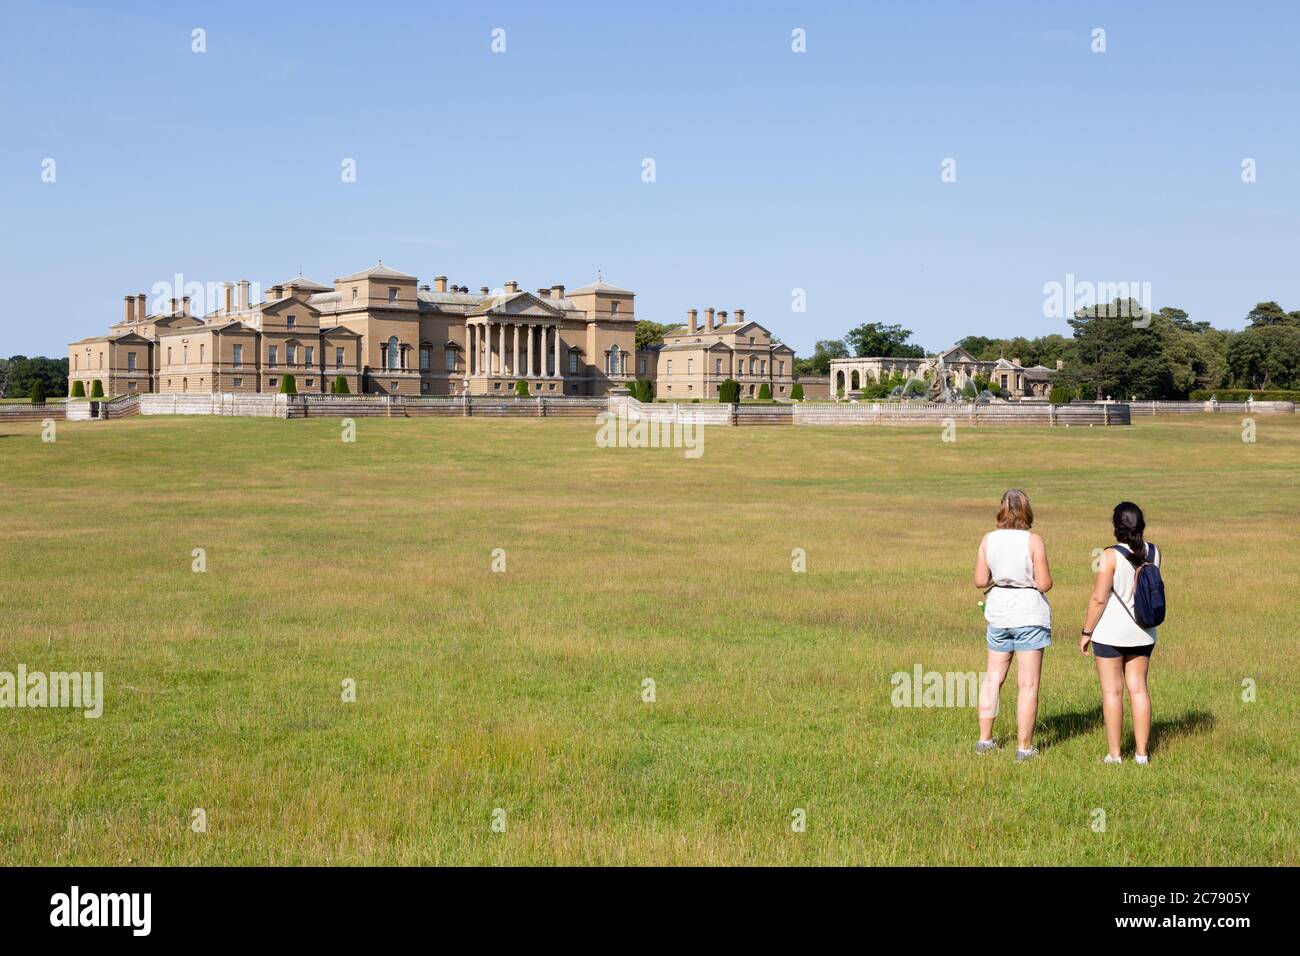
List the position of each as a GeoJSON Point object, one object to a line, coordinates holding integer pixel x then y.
{"type": "Point", "coordinates": [528, 334]}
{"type": "Point", "coordinates": [514, 368]}
{"type": "Point", "coordinates": [559, 372]}
{"type": "Point", "coordinates": [469, 349]}
{"type": "Point", "coordinates": [502, 347]}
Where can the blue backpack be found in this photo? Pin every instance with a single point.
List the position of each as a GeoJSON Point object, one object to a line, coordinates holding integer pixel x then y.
{"type": "Point", "coordinates": [1148, 590]}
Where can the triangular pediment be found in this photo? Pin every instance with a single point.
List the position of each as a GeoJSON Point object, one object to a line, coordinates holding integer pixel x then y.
{"type": "Point", "coordinates": [957, 354]}
{"type": "Point", "coordinates": [520, 304]}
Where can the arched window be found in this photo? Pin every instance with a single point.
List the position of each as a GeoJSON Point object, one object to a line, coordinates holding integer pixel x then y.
{"type": "Point", "coordinates": [390, 360]}
{"type": "Point", "coordinates": [614, 363]}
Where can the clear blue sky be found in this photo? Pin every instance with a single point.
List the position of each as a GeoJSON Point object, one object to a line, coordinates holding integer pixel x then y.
{"type": "Point", "coordinates": [774, 170]}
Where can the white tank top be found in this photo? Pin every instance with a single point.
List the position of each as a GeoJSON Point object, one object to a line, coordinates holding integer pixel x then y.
{"type": "Point", "coordinates": [1020, 604]}
{"type": "Point", "coordinates": [1115, 627]}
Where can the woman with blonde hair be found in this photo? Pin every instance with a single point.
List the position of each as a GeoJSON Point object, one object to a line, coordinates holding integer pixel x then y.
{"type": "Point", "coordinates": [1012, 569]}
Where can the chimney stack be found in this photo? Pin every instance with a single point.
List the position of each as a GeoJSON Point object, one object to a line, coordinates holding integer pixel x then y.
{"type": "Point", "coordinates": [230, 296]}
{"type": "Point", "coordinates": [544, 293]}
{"type": "Point", "coordinates": [185, 305]}
{"type": "Point", "coordinates": [692, 322]}
{"type": "Point", "coordinates": [557, 292]}
{"type": "Point", "coordinates": [175, 306]}
{"type": "Point", "coordinates": [512, 286]}
{"type": "Point", "coordinates": [708, 319]}
{"type": "Point", "coordinates": [141, 309]}
{"type": "Point", "coordinates": [130, 309]}
{"type": "Point", "coordinates": [740, 316]}
{"type": "Point", "coordinates": [1060, 364]}
{"type": "Point", "coordinates": [483, 290]}
{"type": "Point", "coordinates": [722, 317]}
{"type": "Point", "coordinates": [1015, 361]}
{"type": "Point", "coordinates": [440, 283]}
{"type": "Point", "coordinates": [242, 302]}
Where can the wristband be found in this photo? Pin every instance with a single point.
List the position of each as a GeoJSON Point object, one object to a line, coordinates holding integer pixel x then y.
{"type": "Point", "coordinates": [1086, 633]}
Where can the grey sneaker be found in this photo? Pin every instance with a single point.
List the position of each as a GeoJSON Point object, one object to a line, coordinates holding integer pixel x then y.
{"type": "Point", "coordinates": [984, 746]}
{"type": "Point", "coordinates": [1022, 755]}
{"type": "Point", "coordinates": [1109, 759]}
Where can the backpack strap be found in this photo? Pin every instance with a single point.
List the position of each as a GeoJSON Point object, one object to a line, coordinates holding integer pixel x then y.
{"type": "Point", "coordinates": [1122, 549]}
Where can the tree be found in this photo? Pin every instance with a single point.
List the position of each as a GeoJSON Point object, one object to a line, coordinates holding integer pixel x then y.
{"type": "Point", "coordinates": [96, 389]}
{"type": "Point", "coordinates": [819, 363]}
{"type": "Point", "coordinates": [288, 385]}
{"type": "Point", "coordinates": [888, 341]}
{"type": "Point", "coordinates": [729, 392]}
{"type": "Point", "coordinates": [38, 392]}
{"type": "Point", "coordinates": [1266, 356]}
{"type": "Point", "coordinates": [22, 371]}
{"type": "Point", "coordinates": [78, 389]}
{"type": "Point", "coordinates": [1268, 313]}
{"type": "Point", "coordinates": [980, 346]}
{"type": "Point", "coordinates": [340, 386]}
{"type": "Point", "coordinates": [650, 333]}
{"type": "Point", "coordinates": [765, 392]}
{"type": "Point", "coordinates": [1060, 395]}
{"type": "Point", "coordinates": [1112, 356]}
{"type": "Point", "coordinates": [642, 389]}
{"type": "Point", "coordinates": [521, 389]}
{"type": "Point", "coordinates": [796, 393]}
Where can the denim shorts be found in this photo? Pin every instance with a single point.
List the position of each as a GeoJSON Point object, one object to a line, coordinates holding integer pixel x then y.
{"type": "Point", "coordinates": [1032, 638]}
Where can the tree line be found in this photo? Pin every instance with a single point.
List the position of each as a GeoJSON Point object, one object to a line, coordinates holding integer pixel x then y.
{"type": "Point", "coordinates": [18, 374]}
{"type": "Point", "coordinates": [1118, 350]}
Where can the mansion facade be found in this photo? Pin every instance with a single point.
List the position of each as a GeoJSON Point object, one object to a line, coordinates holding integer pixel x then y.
{"type": "Point", "coordinates": [381, 331]}
{"type": "Point", "coordinates": [850, 374]}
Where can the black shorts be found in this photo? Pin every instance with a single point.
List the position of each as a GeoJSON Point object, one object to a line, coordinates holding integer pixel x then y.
{"type": "Point", "coordinates": [1110, 650]}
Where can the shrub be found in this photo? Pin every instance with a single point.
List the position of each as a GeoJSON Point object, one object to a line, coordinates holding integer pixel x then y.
{"type": "Point", "coordinates": [521, 389]}
{"type": "Point", "coordinates": [1061, 395]}
{"type": "Point", "coordinates": [1241, 394]}
{"type": "Point", "coordinates": [765, 392]}
{"type": "Point", "coordinates": [288, 385]}
{"type": "Point", "coordinates": [796, 393]}
{"type": "Point", "coordinates": [340, 386]}
{"type": "Point", "coordinates": [643, 390]}
{"type": "Point", "coordinates": [915, 388]}
{"type": "Point", "coordinates": [78, 389]}
{"type": "Point", "coordinates": [839, 392]}
{"type": "Point", "coordinates": [96, 389]}
{"type": "Point", "coordinates": [729, 392]}
{"type": "Point", "coordinates": [38, 392]}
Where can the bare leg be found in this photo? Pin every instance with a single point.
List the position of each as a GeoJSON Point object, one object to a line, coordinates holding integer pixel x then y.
{"type": "Point", "coordinates": [995, 674]}
{"type": "Point", "coordinates": [1028, 666]}
{"type": "Point", "coordinates": [1110, 671]}
{"type": "Point", "coordinates": [1139, 699]}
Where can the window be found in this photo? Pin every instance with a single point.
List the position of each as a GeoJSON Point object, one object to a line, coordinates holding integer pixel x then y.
{"type": "Point", "coordinates": [101, 362]}
{"type": "Point", "coordinates": [392, 295]}
{"type": "Point", "coordinates": [130, 386]}
{"type": "Point", "coordinates": [613, 309]}
{"type": "Point", "coordinates": [76, 362]}
{"type": "Point", "coordinates": [670, 367]}
{"type": "Point", "coordinates": [237, 382]}
{"type": "Point", "coordinates": [762, 367]}
{"type": "Point", "coordinates": [308, 354]}
{"type": "Point", "coordinates": [717, 367]}
{"type": "Point", "coordinates": [130, 361]}
{"type": "Point", "coordinates": [1004, 381]}
{"type": "Point", "coordinates": [640, 366]}
{"type": "Point", "coordinates": [290, 354]}
{"type": "Point", "coordinates": [451, 360]}
{"type": "Point", "coordinates": [338, 357]}
{"type": "Point", "coordinates": [780, 368]}
{"type": "Point", "coordinates": [291, 321]}
{"type": "Point", "coordinates": [202, 348]}
{"type": "Point", "coordinates": [753, 366]}
{"type": "Point", "coordinates": [611, 365]}
{"type": "Point", "coordinates": [424, 358]}
{"type": "Point", "coordinates": [185, 358]}
{"type": "Point", "coordinates": [354, 295]}
{"type": "Point", "coordinates": [310, 381]}
{"type": "Point", "coordinates": [238, 357]}
{"type": "Point", "coordinates": [272, 353]}
{"type": "Point", "coordinates": [169, 355]}
{"type": "Point", "coordinates": [690, 366]}
{"type": "Point", "coordinates": [573, 363]}
{"type": "Point", "coordinates": [391, 353]}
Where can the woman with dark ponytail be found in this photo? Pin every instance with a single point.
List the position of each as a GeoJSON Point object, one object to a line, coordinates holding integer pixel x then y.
{"type": "Point", "coordinates": [1120, 645]}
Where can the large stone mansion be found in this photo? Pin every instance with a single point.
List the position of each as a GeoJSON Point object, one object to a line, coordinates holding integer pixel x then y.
{"type": "Point", "coordinates": [385, 333]}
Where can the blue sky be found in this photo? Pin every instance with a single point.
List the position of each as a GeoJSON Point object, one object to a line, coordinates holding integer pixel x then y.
{"type": "Point", "coordinates": [774, 171]}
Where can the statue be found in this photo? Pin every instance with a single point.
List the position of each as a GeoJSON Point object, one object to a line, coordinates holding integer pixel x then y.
{"type": "Point", "coordinates": [940, 391]}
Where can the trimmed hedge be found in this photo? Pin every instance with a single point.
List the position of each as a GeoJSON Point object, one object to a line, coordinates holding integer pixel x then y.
{"type": "Point", "coordinates": [78, 389]}
{"type": "Point", "coordinates": [1241, 394]}
{"type": "Point", "coordinates": [521, 389]}
{"type": "Point", "coordinates": [38, 392]}
{"type": "Point", "coordinates": [796, 393]}
{"type": "Point", "coordinates": [729, 392]}
{"type": "Point", "coordinates": [764, 391]}
{"type": "Point", "coordinates": [96, 389]}
{"type": "Point", "coordinates": [340, 386]}
{"type": "Point", "coordinates": [642, 389]}
{"type": "Point", "coordinates": [288, 385]}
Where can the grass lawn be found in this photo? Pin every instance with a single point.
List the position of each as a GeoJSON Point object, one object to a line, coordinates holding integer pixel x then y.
{"type": "Point", "coordinates": [522, 690]}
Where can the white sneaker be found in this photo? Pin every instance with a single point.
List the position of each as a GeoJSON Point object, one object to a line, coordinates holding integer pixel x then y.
{"type": "Point", "coordinates": [1110, 759]}
{"type": "Point", "coordinates": [1142, 759]}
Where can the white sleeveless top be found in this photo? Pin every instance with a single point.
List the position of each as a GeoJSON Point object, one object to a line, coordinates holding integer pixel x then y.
{"type": "Point", "coordinates": [1021, 605]}
{"type": "Point", "coordinates": [1115, 627]}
